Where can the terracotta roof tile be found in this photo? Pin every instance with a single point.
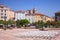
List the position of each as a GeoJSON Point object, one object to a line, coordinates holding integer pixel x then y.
{"type": "Point", "coordinates": [38, 14]}
{"type": "Point", "coordinates": [35, 14]}
{"type": "Point", "coordinates": [57, 13]}
{"type": "Point", "coordinates": [20, 11]}
{"type": "Point", "coordinates": [1, 5]}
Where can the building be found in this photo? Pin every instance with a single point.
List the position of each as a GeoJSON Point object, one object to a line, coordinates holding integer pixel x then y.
{"type": "Point", "coordinates": [37, 17]}
{"type": "Point", "coordinates": [41, 17]}
{"type": "Point", "coordinates": [57, 16]}
{"type": "Point", "coordinates": [30, 18]}
{"type": "Point", "coordinates": [20, 14]}
{"type": "Point", "coordinates": [34, 16]}
{"type": "Point", "coordinates": [47, 18]}
{"type": "Point", "coordinates": [30, 15]}
{"type": "Point", "coordinates": [6, 13]}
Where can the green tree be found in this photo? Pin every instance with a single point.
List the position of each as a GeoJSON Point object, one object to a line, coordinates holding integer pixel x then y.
{"type": "Point", "coordinates": [18, 23]}
{"type": "Point", "coordinates": [23, 22]}
{"type": "Point", "coordinates": [53, 24]}
{"type": "Point", "coordinates": [10, 22]}
{"type": "Point", "coordinates": [1, 21]}
{"type": "Point", "coordinates": [48, 23]}
{"type": "Point", "coordinates": [39, 24]}
{"type": "Point", "coordinates": [58, 24]}
{"type": "Point", "coordinates": [5, 22]}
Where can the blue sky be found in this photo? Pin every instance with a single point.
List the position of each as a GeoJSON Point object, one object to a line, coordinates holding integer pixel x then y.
{"type": "Point", "coordinates": [47, 7]}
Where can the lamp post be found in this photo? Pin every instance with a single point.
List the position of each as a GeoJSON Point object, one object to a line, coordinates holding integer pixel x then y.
{"type": "Point", "coordinates": [5, 22]}
{"type": "Point", "coordinates": [17, 20]}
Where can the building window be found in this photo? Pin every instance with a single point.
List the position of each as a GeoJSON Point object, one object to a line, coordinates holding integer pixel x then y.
{"type": "Point", "coordinates": [56, 20]}
{"type": "Point", "coordinates": [1, 16]}
{"type": "Point", "coordinates": [1, 13]}
{"type": "Point", "coordinates": [1, 10]}
{"type": "Point", "coordinates": [5, 13]}
{"type": "Point", "coordinates": [5, 10]}
{"type": "Point", "coordinates": [29, 19]}
{"type": "Point", "coordinates": [41, 17]}
{"type": "Point", "coordinates": [13, 18]}
{"type": "Point", "coordinates": [56, 17]}
{"type": "Point", "coordinates": [45, 18]}
{"type": "Point", "coordinates": [5, 17]}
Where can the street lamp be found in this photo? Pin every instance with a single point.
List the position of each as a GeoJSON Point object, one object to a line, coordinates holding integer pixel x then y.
{"type": "Point", "coordinates": [5, 22]}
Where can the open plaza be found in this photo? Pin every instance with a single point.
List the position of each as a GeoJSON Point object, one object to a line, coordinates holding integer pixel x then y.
{"type": "Point", "coordinates": [29, 34]}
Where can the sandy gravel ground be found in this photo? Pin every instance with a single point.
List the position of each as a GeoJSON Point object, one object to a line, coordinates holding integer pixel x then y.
{"type": "Point", "coordinates": [9, 34]}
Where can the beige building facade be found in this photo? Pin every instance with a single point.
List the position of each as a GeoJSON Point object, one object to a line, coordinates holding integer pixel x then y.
{"type": "Point", "coordinates": [31, 15]}
{"type": "Point", "coordinates": [6, 13]}
{"type": "Point", "coordinates": [41, 17]}
{"type": "Point", "coordinates": [36, 16]}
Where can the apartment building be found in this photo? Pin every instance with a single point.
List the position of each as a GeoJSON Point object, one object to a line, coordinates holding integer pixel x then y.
{"type": "Point", "coordinates": [41, 17]}
{"type": "Point", "coordinates": [47, 18]}
{"type": "Point", "coordinates": [30, 18]}
{"type": "Point", "coordinates": [6, 13]}
{"type": "Point", "coordinates": [57, 16]}
{"type": "Point", "coordinates": [20, 14]}
{"type": "Point", "coordinates": [34, 16]}
{"type": "Point", "coordinates": [30, 15]}
{"type": "Point", "coordinates": [37, 17]}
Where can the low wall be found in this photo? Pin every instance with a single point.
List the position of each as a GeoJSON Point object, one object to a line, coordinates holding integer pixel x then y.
{"type": "Point", "coordinates": [50, 28]}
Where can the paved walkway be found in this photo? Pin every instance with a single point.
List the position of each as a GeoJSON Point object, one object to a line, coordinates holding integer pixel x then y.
{"type": "Point", "coordinates": [9, 34]}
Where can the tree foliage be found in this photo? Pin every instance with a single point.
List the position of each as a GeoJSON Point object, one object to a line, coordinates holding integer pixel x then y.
{"type": "Point", "coordinates": [39, 24]}
{"type": "Point", "coordinates": [58, 24]}
{"type": "Point", "coordinates": [22, 22]}
{"type": "Point", "coordinates": [1, 21]}
{"type": "Point", "coordinates": [48, 23]}
{"type": "Point", "coordinates": [10, 22]}
{"type": "Point", "coordinates": [17, 23]}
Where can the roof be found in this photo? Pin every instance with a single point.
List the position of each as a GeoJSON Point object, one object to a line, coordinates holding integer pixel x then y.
{"type": "Point", "coordinates": [42, 15]}
{"type": "Point", "coordinates": [57, 13]}
{"type": "Point", "coordinates": [38, 14]}
{"type": "Point", "coordinates": [2, 6]}
{"type": "Point", "coordinates": [20, 11]}
{"type": "Point", "coordinates": [35, 14]}
{"type": "Point", "coordinates": [29, 14]}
